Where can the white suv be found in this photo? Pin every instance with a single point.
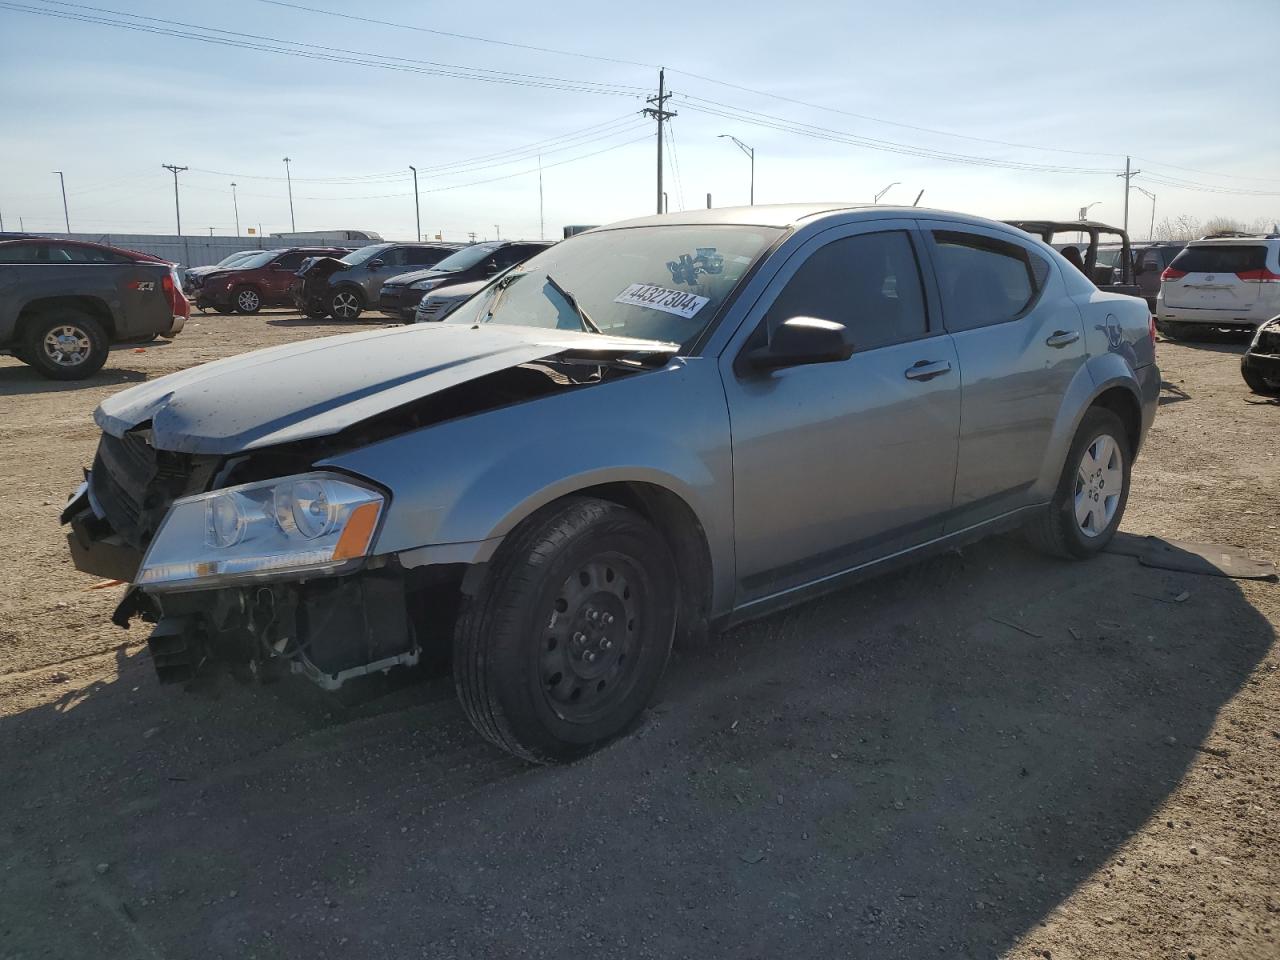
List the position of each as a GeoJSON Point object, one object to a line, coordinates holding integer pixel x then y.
{"type": "Point", "coordinates": [1233, 283]}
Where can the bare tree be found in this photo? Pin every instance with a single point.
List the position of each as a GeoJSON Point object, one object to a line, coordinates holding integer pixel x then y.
{"type": "Point", "coordinates": [1222, 225]}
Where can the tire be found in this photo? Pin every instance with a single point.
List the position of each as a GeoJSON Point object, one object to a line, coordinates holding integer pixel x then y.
{"type": "Point", "coordinates": [225, 311]}
{"type": "Point", "coordinates": [65, 344]}
{"type": "Point", "coordinates": [247, 300]}
{"type": "Point", "coordinates": [316, 314]}
{"type": "Point", "coordinates": [346, 304]}
{"type": "Point", "coordinates": [562, 646]}
{"type": "Point", "coordinates": [1059, 529]}
{"type": "Point", "coordinates": [1257, 382]}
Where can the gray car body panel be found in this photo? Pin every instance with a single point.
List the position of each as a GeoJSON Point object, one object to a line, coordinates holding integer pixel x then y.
{"type": "Point", "coordinates": [313, 389]}
{"type": "Point", "coordinates": [459, 486]}
{"type": "Point", "coordinates": [130, 293]}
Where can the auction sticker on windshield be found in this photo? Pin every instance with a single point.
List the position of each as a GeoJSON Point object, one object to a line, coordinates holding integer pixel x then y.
{"type": "Point", "coordinates": [660, 298]}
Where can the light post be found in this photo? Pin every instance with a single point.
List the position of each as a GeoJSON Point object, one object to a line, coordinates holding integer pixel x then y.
{"type": "Point", "coordinates": [235, 205]}
{"type": "Point", "coordinates": [1151, 231]}
{"type": "Point", "coordinates": [65, 216]}
{"type": "Point", "coordinates": [417, 211]}
{"type": "Point", "coordinates": [886, 190]}
{"type": "Point", "coordinates": [293, 226]}
{"type": "Point", "coordinates": [751, 153]}
{"type": "Point", "coordinates": [1084, 215]}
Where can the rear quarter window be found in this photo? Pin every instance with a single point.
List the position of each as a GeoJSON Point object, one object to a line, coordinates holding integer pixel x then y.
{"type": "Point", "coordinates": [985, 281]}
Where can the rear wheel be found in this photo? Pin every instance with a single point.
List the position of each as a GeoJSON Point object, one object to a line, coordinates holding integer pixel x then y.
{"type": "Point", "coordinates": [247, 300]}
{"type": "Point", "coordinates": [65, 344]}
{"type": "Point", "coordinates": [565, 641]}
{"type": "Point", "coordinates": [346, 305]}
{"type": "Point", "coordinates": [1090, 499]}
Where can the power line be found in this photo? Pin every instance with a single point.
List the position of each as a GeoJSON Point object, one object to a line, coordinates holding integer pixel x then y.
{"type": "Point", "coordinates": [231, 38]}
{"type": "Point", "coordinates": [457, 36]}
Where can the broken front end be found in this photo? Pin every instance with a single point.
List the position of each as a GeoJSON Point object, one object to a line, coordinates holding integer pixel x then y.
{"type": "Point", "coordinates": [280, 578]}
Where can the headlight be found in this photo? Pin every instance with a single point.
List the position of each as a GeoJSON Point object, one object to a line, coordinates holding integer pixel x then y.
{"type": "Point", "coordinates": [310, 523]}
{"type": "Point", "coordinates": [425, 284]}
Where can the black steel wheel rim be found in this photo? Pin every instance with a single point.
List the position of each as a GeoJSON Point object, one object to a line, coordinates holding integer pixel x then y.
{"type": "Point", "coordinates": [590, 641]}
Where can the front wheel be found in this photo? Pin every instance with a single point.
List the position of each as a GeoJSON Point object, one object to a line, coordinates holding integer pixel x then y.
{"type": "Point", "coordinates": [564, 643]}
{"type": "Point", "coordinates": [65, 344]}
{"type": "Point", "coordinates": [1090, 499]}
{"type": "Point", "coordinates": [346, 305]}
{"type": "Point", "coordinates": [248, 300]}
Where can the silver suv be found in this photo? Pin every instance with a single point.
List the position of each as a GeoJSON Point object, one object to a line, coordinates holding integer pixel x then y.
{"type": "Point", "coordinates": [653, 429]}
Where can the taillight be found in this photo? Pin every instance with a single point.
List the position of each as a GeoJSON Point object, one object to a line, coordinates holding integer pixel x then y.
{"type": "Point", "coordinates": [1172, 274]}
{"type": "Point", "coordinates": [1258, 276]}
{"type": "Point", "coordinates": [1151, 330]}
{"type": "Point", "coordinates": [172, 287]}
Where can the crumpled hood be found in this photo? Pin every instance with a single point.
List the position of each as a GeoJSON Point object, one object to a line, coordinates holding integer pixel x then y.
{"type": "Point", "coordinates": [319, 387]}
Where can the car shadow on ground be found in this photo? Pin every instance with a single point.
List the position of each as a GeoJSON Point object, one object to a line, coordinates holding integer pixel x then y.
{"type": "Point", "coordinates": [1214, 341]}
{"type": "Point", "coordinates": [922, 765]}
{"type": "Point", "coordinates": [21, 379]}
{"type": "Point", "coordinates": [1171, 393]}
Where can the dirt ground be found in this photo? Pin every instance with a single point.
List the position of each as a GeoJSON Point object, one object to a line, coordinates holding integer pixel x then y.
{"type": "Point", "coordinates": [891, 772]}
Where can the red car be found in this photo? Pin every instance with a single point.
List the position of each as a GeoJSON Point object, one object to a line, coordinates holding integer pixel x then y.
{"type": "Point", "coordinates": [261, 281]}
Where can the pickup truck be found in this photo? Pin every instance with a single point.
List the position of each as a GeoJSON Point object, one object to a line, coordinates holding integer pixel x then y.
{"type": "Point", "coordinates": [64, 304]}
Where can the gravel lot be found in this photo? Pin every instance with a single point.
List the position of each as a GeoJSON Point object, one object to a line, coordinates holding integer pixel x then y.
{"type": "Point", "coordinates": [890, 772]}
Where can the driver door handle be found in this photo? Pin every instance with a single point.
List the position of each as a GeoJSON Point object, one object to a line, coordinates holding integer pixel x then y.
{"type": "Point", "coordinates": [927, 369]}
{"type": "Point", "coordinates": [1062, 338]}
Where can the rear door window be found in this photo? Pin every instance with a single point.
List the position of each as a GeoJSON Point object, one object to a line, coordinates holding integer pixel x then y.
{"type": "Point", "coordinates": [1227, 258]}
{"type": "Point", "coordinates": [22, 253]}
{"type": "Point", "coordinates": [869, 282]}
{"type": "Point", "coordinates": [985, 281]}
{"type": "Point", "coordinates": [293, 259]}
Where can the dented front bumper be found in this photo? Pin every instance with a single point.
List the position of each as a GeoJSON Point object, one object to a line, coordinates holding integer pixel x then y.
{"type": "Point", "coordinates": [329, 629]}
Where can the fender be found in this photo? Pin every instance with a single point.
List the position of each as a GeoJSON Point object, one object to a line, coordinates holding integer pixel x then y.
{"type": "Point", "coordinates": [1097, 375]}
{"type": "Point", "coordinates": [458, 487]}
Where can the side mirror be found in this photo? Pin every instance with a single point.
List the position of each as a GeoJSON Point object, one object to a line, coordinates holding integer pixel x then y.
{"type": "Point", "coordinates": [375, 264]}
{"type": "Point", "coordinates": [803, 340]}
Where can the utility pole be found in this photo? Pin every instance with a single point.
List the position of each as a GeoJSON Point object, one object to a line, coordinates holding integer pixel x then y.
{"type": "Point", "coordinates": [235, 204]}
{"type": "Point", "coordinates": [1128, 175]}
{"type": "Point", "coordinates": [177, 210]}
{"type": "Point", "coordinates": [660, 113]}
{"type": "Point", "coordinates": [1151, 230]}
{"type": "Point", "coordinates": [666, 202]}
{"type": "Point", "coordinates": [66, 217]}
{"type": "Point", "coordinates": [293, 226]}
{"type": "Point", "coordinates": [542, 222]}
{"type": "Point", "coordinates": [708, 201]}
{"type": "Point", "coordinates": [417, 211]}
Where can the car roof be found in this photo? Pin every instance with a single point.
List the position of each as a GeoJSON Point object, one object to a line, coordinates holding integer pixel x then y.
{"type": "Point", "coordinates": [1234, 242]}
{"type": "Point", "coordinates": [799, 214]}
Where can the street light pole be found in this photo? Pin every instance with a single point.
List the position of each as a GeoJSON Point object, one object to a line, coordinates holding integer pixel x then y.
{"type": "Point", "coordinates": [293, 226]}
{"type": "Point", "coordinates": [65, 216]}
{"type": "Point", "coordinates": [1151, 231]}
{"type": "Point", "coordinates": [417, 211]}
{"type": "Point", "coordinates": [886, 190]}
{"type": "Point", "coordinates": [235, 205]}
{"type": "Point", "coordinates": [751, 153]}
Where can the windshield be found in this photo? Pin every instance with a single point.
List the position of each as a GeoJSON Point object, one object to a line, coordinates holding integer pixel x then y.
{"type": "Point", "coordinates": [235, 258]}
{"type": "Point", "coordinates": [257, 260]}
{"type": "Point", "coordinates": [357, 257]}
{"type": "Point", "coordinates": [466, 257]}
{"type": "Point", "coordinates": [651, 283]}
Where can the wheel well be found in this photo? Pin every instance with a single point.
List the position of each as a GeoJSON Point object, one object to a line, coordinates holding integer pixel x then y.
{"type": "Point", "coordinates": [1124, 405]}
{"type": "Point", "coordinates": [93, 306]}
{"type": "Point", "coordinates": [679, 526]}
{"type": "Point", "coordinates": [349, 288]}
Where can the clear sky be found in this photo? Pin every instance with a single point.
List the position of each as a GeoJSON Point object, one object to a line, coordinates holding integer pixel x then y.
{"type": "Point", "coordinates": [1177, 85]}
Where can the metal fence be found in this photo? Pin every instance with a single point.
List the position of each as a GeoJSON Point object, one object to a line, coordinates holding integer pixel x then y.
{"type": "Point", "coordinates": [196, 251]}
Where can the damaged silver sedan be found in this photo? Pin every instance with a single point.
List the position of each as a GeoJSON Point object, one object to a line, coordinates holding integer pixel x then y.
{"type": "Point", "coordinates": [652, 429]}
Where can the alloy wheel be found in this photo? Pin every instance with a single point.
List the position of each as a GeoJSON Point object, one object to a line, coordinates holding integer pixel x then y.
{"type": "Point", "coordinates": [67, 345]}
{"type": "Point", "coordinates": [248, 301]}
{"type": "Point", "coordinates": [345, 305]}
{"type": "Point", "coordinates": [1099, 484]}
